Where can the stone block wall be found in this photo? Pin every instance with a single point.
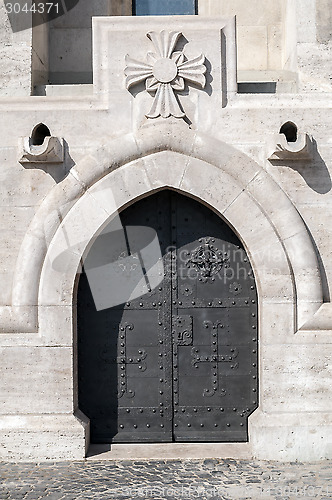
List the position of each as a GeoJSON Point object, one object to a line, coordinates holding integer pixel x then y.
{"type": "Point", "coordinates": [221, 155]}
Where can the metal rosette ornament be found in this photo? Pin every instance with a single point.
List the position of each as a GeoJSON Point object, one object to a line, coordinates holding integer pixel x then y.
{"type": "Point", "coordinates": [164, 73]}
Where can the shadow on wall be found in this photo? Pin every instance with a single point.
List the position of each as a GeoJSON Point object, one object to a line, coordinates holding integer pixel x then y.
{"type": "Point", "coordinates": [58, 171]}
{"type": "Point", "coordinates": [314, 172]}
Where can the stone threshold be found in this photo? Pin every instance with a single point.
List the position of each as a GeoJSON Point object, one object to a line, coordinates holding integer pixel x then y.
{"type": "Point", "coordinates": [162, 451]}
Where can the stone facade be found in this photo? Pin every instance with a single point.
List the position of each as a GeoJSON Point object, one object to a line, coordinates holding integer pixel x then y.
{"type": "Point", "coordinates": [103, 152]}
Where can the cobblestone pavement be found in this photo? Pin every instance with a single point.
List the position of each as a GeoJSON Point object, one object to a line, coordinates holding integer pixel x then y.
{"type": "Point", "coordinates": [168, 479]}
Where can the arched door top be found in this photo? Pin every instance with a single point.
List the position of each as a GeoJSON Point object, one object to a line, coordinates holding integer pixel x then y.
{"type": "Point", "coordinates": [167, 327]}
{"type": "Point", "coordinates": [185, 160]}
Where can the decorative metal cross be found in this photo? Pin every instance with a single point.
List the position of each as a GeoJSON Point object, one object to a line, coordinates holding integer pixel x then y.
{"type": "Point", "coordinates": [214, 358]}
{"type": "Point", "coordinates": [207, 260]}
{"type": "Point", "coordinates": [165, 72]}
{"type": "Point", "coordinates": [123, 360]}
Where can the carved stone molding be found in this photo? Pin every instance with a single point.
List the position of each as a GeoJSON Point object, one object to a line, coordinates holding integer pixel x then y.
{"type": "Point", "coordinates": [51, 151]}
{"type": "Point", "coordinates": [164, 73]}
{"type": "Point", "coordinates": [281, 149]}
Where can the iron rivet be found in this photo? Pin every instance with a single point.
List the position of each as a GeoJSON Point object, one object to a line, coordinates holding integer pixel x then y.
{"type": "Point", "coordinates": [254, 377]}
{"type": "Point", "coordinates": [161, 392]}
{"type": "Point", "coordinates": [253, 301]}
{"type": "Point", "coordinates": [161, 341]}
{"type": "Point", "coordinates": [221, 409]}
{"type": "Point", "coordinates": [148, 425]}
{"type": "Point", "coordinates": [135, 425]}
{"type": "Point", "coordinates": [254, 364]}
{"type": "Point", "coordinates": [175, 425]}
{"type": "Point", "coordinates": [189, 425]}
{"type": "Point", "coordinates": [241, 424]}
{"type": "Point", "coordinates": [216, 425]}
{"type": "Point", "coordinates": [161, 425]}
{"type": "Point", "coordinates": [254, 351]}
{"type": "Point", "coordinates": [202, 425]}
{"type": "Point", "coordinates": [195, 410]}
{"type": "Point", "coordinates": [128, 411]}
{"type": "Point", "coordinates": [141, 411]}
{"type": "Point", "coordinates": [154, 410]}
{"type": "Point", "coordinates": [209, 409]}
{"type": "Point", "coordinates": [254, 390]}
{"type": "Point", "coordinates": [121, 426]}
{"type": "Point", "coordinates": [183, 410]}
{"type": "Point", "coordinates": [228, 425]}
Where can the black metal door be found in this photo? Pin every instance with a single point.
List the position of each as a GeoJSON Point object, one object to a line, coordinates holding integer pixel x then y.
{"type": "Point", "coordinates": [167, 327]}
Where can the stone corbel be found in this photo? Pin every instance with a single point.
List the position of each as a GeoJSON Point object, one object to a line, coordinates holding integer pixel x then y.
{"type": "Point", "coordinates": [301, 149]}
{"type": "Point", "coordinates": [51, 151]}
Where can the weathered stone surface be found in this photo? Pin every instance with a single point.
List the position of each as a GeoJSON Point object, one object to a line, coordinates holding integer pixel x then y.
{"type": "Point", "coordinates": [113, 154]}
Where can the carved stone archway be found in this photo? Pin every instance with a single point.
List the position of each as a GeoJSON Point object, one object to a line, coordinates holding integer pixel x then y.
{"type": "Point", "coordinates": [117, 174]}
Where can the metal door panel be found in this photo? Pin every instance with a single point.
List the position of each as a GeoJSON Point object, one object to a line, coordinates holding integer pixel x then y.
{"type": "Point", "coordinates": [178, 360]}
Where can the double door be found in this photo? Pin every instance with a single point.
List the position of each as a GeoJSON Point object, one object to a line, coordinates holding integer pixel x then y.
{"type": "Point", "coordinates": [167, 327]}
